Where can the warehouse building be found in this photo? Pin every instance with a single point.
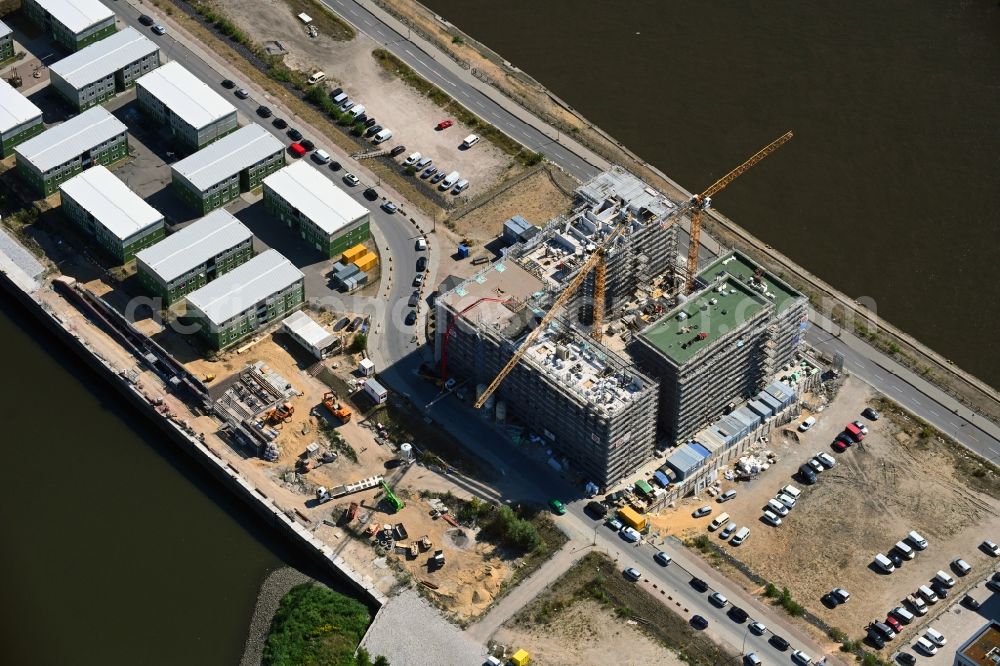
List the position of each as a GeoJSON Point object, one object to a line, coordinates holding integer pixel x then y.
{"type": "Point", "coordinates": [115, 216]}
{"type": "Point", "coordinates": [195, 114]}
{"type": "Point", "coordinates": [20, 119]}
{"type": "Point", "coordinates": [59, 153]}
{"type": "Point", "coordinates": [194, 256]}
{"type": "Point", "coordinates": [100, 71]}
{"type": "Point", "coordinates": [6, 42]}
{"type": "Point", "coordinates": [310, 334]}
{"type": "Point", "coordinates": [325, 216]}
{"type": "Point", "coordinates": [72, 23]}
{"type": "Point", "coordinates": [247, 299]}
{"type": "Point", "coordinates": [236, 163]}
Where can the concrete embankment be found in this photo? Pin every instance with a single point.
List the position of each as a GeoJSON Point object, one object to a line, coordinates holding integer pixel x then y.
{"type": "Point", "coordinates": [277, 584]}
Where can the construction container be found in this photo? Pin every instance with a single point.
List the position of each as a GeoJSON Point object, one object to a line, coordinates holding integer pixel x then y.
{"type": "Point", "coordinates": [463, 251]}
{"type": "Point", "coordinates": [353, 253]}
{"type": "Point", "coordinates": [366, 262]}
{"type": "Point", "coordinates": [644, 487]}
{"type": "Point", "coordinates": [632, 518]}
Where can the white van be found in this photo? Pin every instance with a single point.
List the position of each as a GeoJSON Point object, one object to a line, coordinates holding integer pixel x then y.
{"type": "Point", "coordinates": [356, 110]}
{"type": "Point", "coordinates": [787, 500]}
{"type": "Point", "coordinates": [791, 491]}
{"type": "Point", "coordinates": [928, 594]}
{"type": "Point", "coordinates": [808, 423]}
{"type": "Point", "coordinates": [719, 521]}
{"type": "Point", "coordinates": [315, 78]}
{"type": "Point", "coordinates": [777, 507]}
{"type": "Point", "coordinates": [935, 636]}
{"type": "Point", "coordinates": [470, 141]}
{"type": "Point", "coordinates": [926, 646]}
{"type": "Point", "coordinates": [321, 156]}
{"type": "Point", "coordinates": [460, 186]}
{"type": "Point", "coordinates": [382, 136]}
{"type": "Point", "coordinates": [741, 536]}
{"type": "Point", "coordinates": [884, 563]}
{"type": "Point", "coordinates": [917, 540]}
{"type": "Point", "coordinates": [905, 550]}
{"type": "Point", "coordinates": [412, 158]}
{"type": "Point", "coordinates": [421, 244]}
{"type": "Point", "coordinates": [339, 98]}
{"type": "Point", "coordinates": [943, 578]}
{"type": "Point", "coordinates": [904, 615]}
{"type": "Point", "coordinates": [449, 180]}
{"type": "Point", "coordinates": [424, 163]}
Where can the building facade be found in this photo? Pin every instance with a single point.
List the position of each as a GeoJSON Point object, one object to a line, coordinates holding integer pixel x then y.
{"type": "Point", "coordinates": [247, 299]}
{"type": "Point", "coordinates": [176, 98]}
{"type": "Point", "coordinates": [323, 215]}
{"type": "Point", "coordinates": [59, 153]}
{"type": "Point", "coordinates": [109, 212]}
{"type": "Point", "coordinates": [102, 70]}
{"type": "Point", "coordinates": [20, 119]}
{"type": "Point", "coordinates": [72, 23]}
{"type": "Point", "coordinates": [237, 163]}
{"type": "Point", "coordinates": [6, 42]}
{"type": "Point", "coordinates": [194, 256]}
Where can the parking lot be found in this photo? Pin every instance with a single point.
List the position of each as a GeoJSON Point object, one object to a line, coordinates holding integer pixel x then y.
{"type": "Point", "coordinates": [875, 494]}
{"type": "Point", "coordinates": [957, 624]}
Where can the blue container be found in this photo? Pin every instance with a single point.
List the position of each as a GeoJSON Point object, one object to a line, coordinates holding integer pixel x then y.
{"type": "Point", "coordinates": [463, 251]}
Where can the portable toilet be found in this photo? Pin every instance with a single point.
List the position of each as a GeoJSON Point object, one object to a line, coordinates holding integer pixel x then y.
{"type": "Point", "coordinates": [463, 251]}
{"type": "Point", "coordinates": [520, 658]}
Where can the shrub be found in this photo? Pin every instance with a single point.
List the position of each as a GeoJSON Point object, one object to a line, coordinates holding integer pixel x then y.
{"type": "Point", "coordinates": [359, 343]}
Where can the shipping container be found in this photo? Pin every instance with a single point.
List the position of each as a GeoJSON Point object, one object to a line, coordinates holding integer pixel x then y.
{"type": "Point", "coordinates": [376, 391]}
{"type": "Point", "coordinates": [353, 253]}
{"type": "Point", "coordinates": [632, 518]}
{"type": "Point", "coordinates": [366, 262]}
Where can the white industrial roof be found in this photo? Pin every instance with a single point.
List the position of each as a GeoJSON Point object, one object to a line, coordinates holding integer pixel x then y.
{"type": "Point", "coordinates": [316, 197]}
{"type": "Point", "coordinates": [245, 286]}
{"type": "Point", "coordinates": [195, 244]}
{"type": "Point", "coordinates": [104, 57]}
{"type": "Point", "coordinates": [185, 95]}
{"type": "Point", "coordinates": [77, 15]}
{"type": "Point", "coordinates": [63, 142]}
{"type": "Point", "coordinates": [233, 152]}
{"type": "Point", "coordinates": [15, 108]}
{"type": "Point", "coordinates": [111, 202]}
{"type": "Point", "coordinates": [308, 329]}
{"type": "Point", "coordinates": [5, 29]}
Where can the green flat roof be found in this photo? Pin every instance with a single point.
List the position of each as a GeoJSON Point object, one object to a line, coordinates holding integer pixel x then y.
{"type": "Point", "coordinates": [742, 268]}
{"type": "Point", "coordinates": [680, 339]}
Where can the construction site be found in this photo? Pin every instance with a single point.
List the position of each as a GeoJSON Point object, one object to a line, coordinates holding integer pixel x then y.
{"type": "Point", "coordinates": [600, 336]}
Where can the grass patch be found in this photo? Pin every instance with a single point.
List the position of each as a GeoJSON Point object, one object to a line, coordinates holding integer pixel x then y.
{"type": "Point", "coordinates": [315, 625]}
{"type": "Point", "coordinates": [596, 577]}
{"type": "Point", "coordinates": [784, 599]}
{"type": "Point", "coordinates": [402, 71]}
{"type": "Point", "coordinates": [326, 21]}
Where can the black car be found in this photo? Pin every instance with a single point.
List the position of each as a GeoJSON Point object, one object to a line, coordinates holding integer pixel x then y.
{"type": "Point", "coordinates": [411, 318]}
{"type": "Point", "coordinates": [242, 93]}
{"type": "Point", "coordinates": [279, 123]}
{"type": "Point", "coordinates": [906, 659]}
{"type": "Point", "coordinates": [939, 589]}
{"type": "Point", "coordinates": [373, 130]}
{"type": "Point", "coordinates": [829, 600]}
{"type": "Point", "coordinates": [307, 144]}
{"type": "Point", "coordinates": [421, 264]}
{"type": "Point", "coordinates": [371, 194]}
{"type": "Point", "coordinates": [698, 622]}
{"type": "Point", "coordinates": [699, 584]}
{"type": "Point", "coordinates": [970, 603]}
{"type": "Point", "coordinates": [870, 414]}
{"type": "Point", "coordinates": [360, 119]}
{"type": "Point", "coordinates": [294, 134]}
{"type": "Point", "coordinates": [335, 92]}
{"type": "Point", "coordinates": [341, 324]}
{"type": "Point", "coordinates": [227, 83]}
{"type": "Point", "coordinates": [778, 642]}
{"type": "Point", "coordinates": [369, 122]}
{"type": "Point", "coordinates": [398, 150]}
{"type": "Point", "coordinates": [807, 474]}
{"type": "Point", "coordinates": [263, 111]}
{"type": "Point", "coordinates": [875, 639]}
{"type": "Point", "coordinates": [414, 299]}
{"type": "Point", "coordinates": [894, 557]}
{"type": "Point", "coordinates": [738, 614]}
{"type": "Point", "coordinates": [438, 177]}
{"type": "Point", "coordinates": [335, 166]}
{"type": "Point", "coordinates": [596, 510]}
{"type": "Point", "coordinates": [146, 19]}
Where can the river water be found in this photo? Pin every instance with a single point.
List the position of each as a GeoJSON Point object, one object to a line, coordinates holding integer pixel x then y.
{"type": "Point", "coordinates": [117, 548]}
{"type": "Point", "coordinates": [890, 188]}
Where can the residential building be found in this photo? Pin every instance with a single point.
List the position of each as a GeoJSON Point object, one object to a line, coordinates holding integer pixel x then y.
{"type": "Point", "coordinates": [20, 119]}
{"type": "Point", "coordinates": [59, 153]}
{"type": "Point", "coordinates": [325, 216]}
{"type": "Point", "coordinates": [72, 23]}
{"type": "Point", "coordinates": [6, 42]}
{"type": "Point", "coordinates": [100, 71]}
{"type": "Point", "coordinates": [115, 216]}
{"type": "Point", "coordinates": [194, 256]}
{"type": "Point", "coordinates": [236, 163]}
{"type": "Point", "coordinates": [195, 114]}
{"type": "Point", "coordinates": [247, 299]}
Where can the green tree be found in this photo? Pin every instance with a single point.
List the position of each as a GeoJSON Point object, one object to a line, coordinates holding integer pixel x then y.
{"type": "Point", "coordinates": [359, 343]}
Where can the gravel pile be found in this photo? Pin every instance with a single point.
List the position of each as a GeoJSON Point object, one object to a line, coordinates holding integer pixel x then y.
{"type": "Point", "coordinates": [409, 631]}
{"type": "Point", "coordinates": [275, 586]}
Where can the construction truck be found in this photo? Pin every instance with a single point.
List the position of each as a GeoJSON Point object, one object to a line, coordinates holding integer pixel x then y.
{"type": "Point", "coordinates": [437, 562]}
{"type": "Point", "coordinates": [279, 414]}
{"type": "Point", "coordinates": [425, 543]}
{"type": "Point", "coordinates": [632, 518]}
{"type": "Point", "coordinates": [322, 495]}
{"type": "Point", "coordinates": [397, 504]}
{"type": "Point", "coordinates": [336, 408]}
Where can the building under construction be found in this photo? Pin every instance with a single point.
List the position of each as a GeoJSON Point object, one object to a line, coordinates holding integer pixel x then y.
{"type": "Point", "coordinates": [663, 365]}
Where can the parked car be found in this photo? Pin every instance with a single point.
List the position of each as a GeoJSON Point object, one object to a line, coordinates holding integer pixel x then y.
{"type": "Point", "coordinates": [411, 318]}
{"type": "Point", "coordinates": [335, 166]}
{"type": "Point", "coordinates": [242, 93]}
{"type": "Point", "coordinates": [158, 29]}
{"type": "Point", "coordinates": [726, 496]}
{"type": "Point", "coordinates": [870, 413]}
{"type": "Point", "coordinates": [421, 264]}
{"type": "Point", "coordinates": [970, 602]}
{"type": "Point", "coordinates": [771, 519]}
{"type": "Point", "coordinates": [807, 474]}
{"type": "Point", "coordinates": [662, 558]}
{"type": "Point", "coordinates": [294, 134]}
{"type": "Point", "coordinates": [751, 659]}
{"type": "Point", "coordinates": [777, 507]}
{"type": "Point", "coordinates": [308, 145]}
{"type": "Point", "coordinates": [925, 646]}
{"type": "Point", "coordinates": [389, 207]}
{"type": "Point", "coordinates": [961, 566]}
{"type": "Point", "coordinates": [841, 594]}
{"type": "Point", "coordinates": [438, 177]}
{"type": "Point", "coordinates": [808, 423]}
{"type": "Point", "coordinates": [906, 659]}
{"type": "Point", "coordinates": [371, 121]}
{"type": "Point", "coordinates": [702, 511]}
{"type": "Point", "coordinates": [429, 171]}
{"type": "Point", "coordinates": [698, 622]}
{"type": "Point", "coordinates": [630, 534]}
{"type": "Point", "coordinates": [264, 112]}
{"type": "Point", "coordinates": [816, 466]}
{"type": "Point", "coordinates": [398, 150]}
{"type": "Point", "coordinates": [861, 426]}
{"type": "Point", "coordinates": [632, 574]}
{"type": "Point", "coordinates": [557, 507]}
{"type": "Point", "coordinates": [757, 628]}
{"type": "Point", "coordinates": [717, 599]}
{"type": "Point", "coordinates": [614, 524]}
{"type": "Point", "coordinates": [800, 657]}
{"type": "Point", "coordinates": [297, 149]}
{"type": "Point", "coordinates": [373, 130]}
{"type": "Point", "coordinates": [444, 124]}
{"type": "Point", "coordinates": [594, 508]}
{"type": "Point", "coordinates": [786, 500]}
{"type": "Point", "coordinates": [737, 614]}
{"type": "Point", "coordinates": [418, 280]}
{"type": "Point", "coordinates": [945, 578]}
{"type": "Point", "coordinates": [727, 531]}
{"type": "Point", "coordinates": [146, 19]}
{"type": "Point", "coordinates": [413, 158]}
{"type": "Point", "coordinates": [279, 123]}
{"type": "Point", "coordinates": [935, 636]}
{"type": "Point", "coordinates": [778, 642]}
{"type": "Point", "coordinates": [826, 460]}
{"type": "Point", "coordinates": [350, 178]}
{"type": "Point", "coordinates": [896, 625]}
{"type": "Point", "coordinates": [699, 584]}
{"type": "Point", "coordinates": [991, 548]}
{"type": "Point", "coordinates": [895, 558]}
{"type": "Point", "coordinates": [839, 446]}
{"type": "Point", "coordinates": [939, 589]}
{"type": "Point", "coordinates": [228, 84]}
{"type": "Point", "coordinates": [371, 194]}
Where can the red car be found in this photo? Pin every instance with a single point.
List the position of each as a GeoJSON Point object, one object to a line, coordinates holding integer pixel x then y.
{"type": "Point", "coordinates": [894, 623]}
{"type": "Point", "coordinates": [839, 446]}
{"type": "Point", "coordinates": [444, 124]}
{"type": "Point", "coordinates": [297, 149]}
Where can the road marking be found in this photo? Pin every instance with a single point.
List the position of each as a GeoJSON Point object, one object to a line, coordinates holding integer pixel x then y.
{"type": "Point", "coordinates": [878, 376]}
{"type": "Point", "coordinates": [916, 402]}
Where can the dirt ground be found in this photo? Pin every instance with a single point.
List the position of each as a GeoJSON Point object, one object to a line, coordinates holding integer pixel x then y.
{"type": "Point", "coordinates": [877, 492]}
{"type": "Point", "coordinates": [350, 65]}
{"type": "Point", "coordinates": [587, 633]}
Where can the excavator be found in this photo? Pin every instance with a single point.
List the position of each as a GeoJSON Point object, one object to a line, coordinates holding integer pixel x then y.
{"type": "Point", "coordinates": [279, 414]}
{"type": "Point", "coordinates": [336, 408]}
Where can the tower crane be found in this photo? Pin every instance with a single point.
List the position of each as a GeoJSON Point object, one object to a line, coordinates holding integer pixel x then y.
{"type": "Point", "coordinates": [696, 205]}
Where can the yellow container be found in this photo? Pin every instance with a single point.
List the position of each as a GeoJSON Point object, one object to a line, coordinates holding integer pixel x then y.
{"type": "Point", "coordinates": [366, 262]}
{"type": "Point", "coordinates": [520, 658]}
{"type": "Point", "coordinates": [353, 253]}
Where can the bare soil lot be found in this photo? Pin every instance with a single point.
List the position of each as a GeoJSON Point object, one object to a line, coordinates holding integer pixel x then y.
{"type": "Point", "coordinates": [877, 492]}
{"type": "Point", "coordinates": [350, 65]}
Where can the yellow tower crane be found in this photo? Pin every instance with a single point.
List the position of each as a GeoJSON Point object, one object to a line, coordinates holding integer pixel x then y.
{"type": "Point", "coordinates": [596, 262]}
